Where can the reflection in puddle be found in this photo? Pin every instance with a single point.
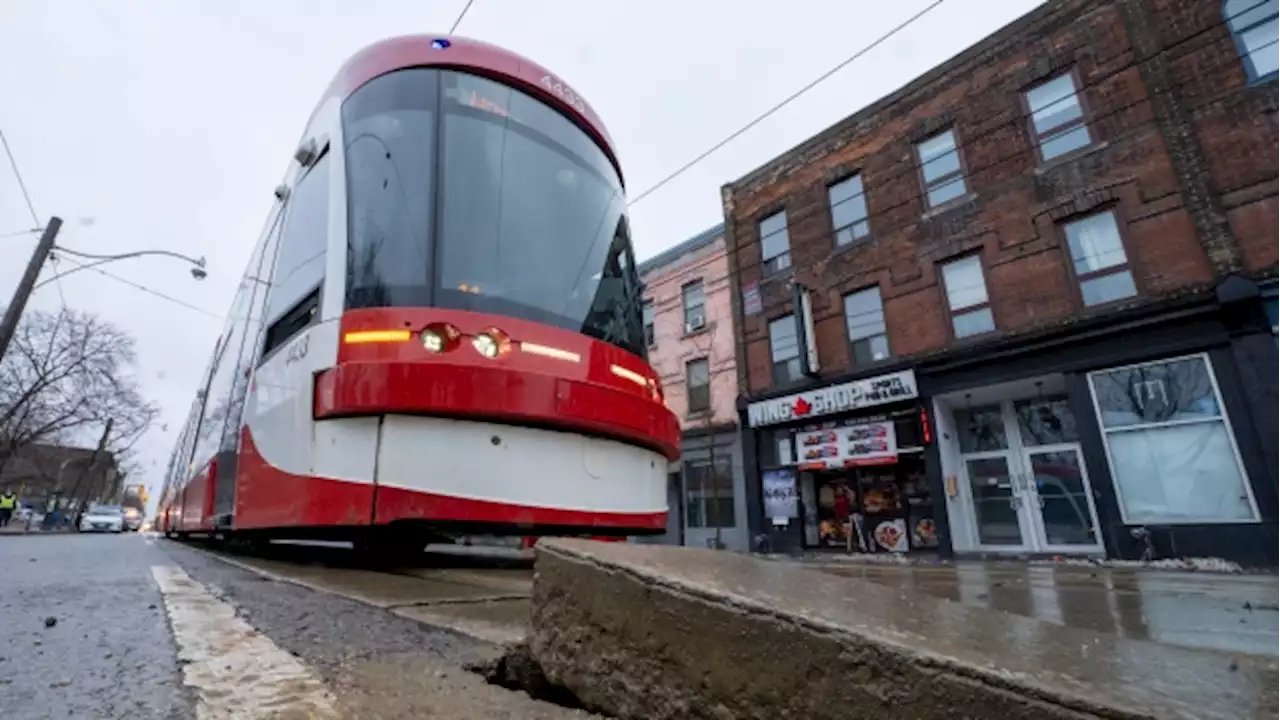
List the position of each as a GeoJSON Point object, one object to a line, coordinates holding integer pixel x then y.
{"type": "Point", "coordinates": [1235, 613]}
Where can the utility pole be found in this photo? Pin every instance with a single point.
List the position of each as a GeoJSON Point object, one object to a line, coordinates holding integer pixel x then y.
{"type": "Point", "coordinates": [19, 302]}
{"type": "Point", "coordinates": [93, 461]}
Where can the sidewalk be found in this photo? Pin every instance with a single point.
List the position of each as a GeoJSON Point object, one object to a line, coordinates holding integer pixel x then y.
{"type": "Point", "coordinates": [1189, 564]}
{"type": "Point", "coordinates": [1231, 612]}
{"type": "Point", "coordinates": [21, 529]}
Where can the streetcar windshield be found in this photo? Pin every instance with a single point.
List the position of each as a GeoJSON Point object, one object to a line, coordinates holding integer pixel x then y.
{"type": "Point", "coordinates": [466, 193]}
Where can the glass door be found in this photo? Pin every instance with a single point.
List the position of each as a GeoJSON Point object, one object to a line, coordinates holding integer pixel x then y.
{"type": "Point", "coordinates": [1058, 493]}
{"type": "Point", "coordinates": [991, 476]}
{"type": "Point", "coordinates": [997, 502]}
{"type": "Point", "coordinates": [1025, 477]}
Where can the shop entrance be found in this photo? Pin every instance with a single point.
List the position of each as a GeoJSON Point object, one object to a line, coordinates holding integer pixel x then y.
{"type": "Point", "coordinates": [874, 509]}
{"type": "Point", "coordinates": [863, 485]}
{"type": "Point", "coordinates": [1022, 483]}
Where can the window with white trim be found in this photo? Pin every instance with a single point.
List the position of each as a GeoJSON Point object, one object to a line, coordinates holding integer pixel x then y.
{"type": "Point", "coordinates": [848, 210]}
{"type": "Point", "coordinates": [967, 297]}
{"type": "Point", "coordinates": [695, 300]}
{"type": "Point", "coordinates": [1254, 24]}
{"type": "Point", "coordinates": [775, 243]}
{"type": "Point", "coordinates": [940, 167]}
{"type": "Point", "coordinates": [1097, 253]}
{"type": "Point", "coordinates": [1173, 458]}
{"type": "Point", "coordinates": [784, 348]}
{"type": "Point", "coordinates": [1057, 117]}
{"type": "Point", "coordinates": [697, 380]}
{"type": "Point", "coordinates": [864, 319]}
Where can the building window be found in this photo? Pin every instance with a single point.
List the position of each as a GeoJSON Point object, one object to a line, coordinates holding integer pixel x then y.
{"type": "Point", "coordinates": [709, 494]}
{"type": "Point", "coordinates": [697, 378]}
{"type": "Point", "coordinates": [848, 210]}
{"type": "Point", "coordinates": [1254, 25]}
{"type": "Point", "coordinates": [695, 316]}
{"type": "Point", "coordinates": [775, 244]}
{"type": "Point", "coordinates": [1057, 117]}
{"type": "Point", "coordinates": [864, 317]}
{"type": "Point", "coordinates": [777, 448]}
{"type": "Point", "coordinates": [1172, 455]}
{"type": "Point", "coordinates": [967, 297]}
{"type": "Point", "coordinates": [1097, 253]}
{"type": "Point", "coordinates": [649, 339]}
{"type": "Point", "coordinates": [940, 167]}
{"type": "Point", "coordinates": [784, 347]}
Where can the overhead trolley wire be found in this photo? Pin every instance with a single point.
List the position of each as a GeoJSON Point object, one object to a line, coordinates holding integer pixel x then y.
{"type": "Point", "coordinates": [784, 102]}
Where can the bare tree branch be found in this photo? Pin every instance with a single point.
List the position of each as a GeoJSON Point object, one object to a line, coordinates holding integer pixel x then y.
{"type": "Point", "coordinates": [64, 376]}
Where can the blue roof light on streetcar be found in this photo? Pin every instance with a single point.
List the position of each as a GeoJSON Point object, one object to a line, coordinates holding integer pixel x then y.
{"type": "Point", "coordinates": [440, 44]}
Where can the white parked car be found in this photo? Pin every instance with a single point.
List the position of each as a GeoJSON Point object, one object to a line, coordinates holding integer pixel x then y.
{"type": "Point", "coordinates": [103, 518]}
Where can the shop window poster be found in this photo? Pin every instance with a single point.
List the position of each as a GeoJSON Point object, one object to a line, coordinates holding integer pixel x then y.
{"type": "Point", "coordinates": [780, 497]}
{"type": "Point", "coordinates": [847, 445]}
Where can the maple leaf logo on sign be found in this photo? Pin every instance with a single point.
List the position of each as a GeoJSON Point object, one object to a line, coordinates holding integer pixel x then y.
{"type": "Point", "coordinates": [801, 408]}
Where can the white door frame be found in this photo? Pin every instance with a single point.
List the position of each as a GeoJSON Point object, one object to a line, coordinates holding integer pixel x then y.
{"type": "Point", "coordinates": [1011, 464]}
{"type": "Point", "coordinates": [1034, 502]}
{"type": "Point", "coordinates": [1030, 522]}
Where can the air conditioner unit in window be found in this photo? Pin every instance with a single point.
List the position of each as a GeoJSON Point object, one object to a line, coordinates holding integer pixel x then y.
{"type": "Point", "coordinates": [695, 323]}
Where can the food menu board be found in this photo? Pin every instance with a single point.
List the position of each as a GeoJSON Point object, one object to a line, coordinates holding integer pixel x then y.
{"type": "Point", "coordinates": [842, 446]}
{"type": "Point", "coordinates": [871, 443]}
{"type": "Point", "coordinates": [819, 447]}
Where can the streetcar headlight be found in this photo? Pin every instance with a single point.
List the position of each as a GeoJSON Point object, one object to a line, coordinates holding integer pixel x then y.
{"type": "Point", "coordinates": [432, 341]}
{"type": "Point", "coordinates": [439, 337]}
{"type": "Point", "coordinates": [492, 343]}
{"type": "Point", "coordinates": [486, 345]}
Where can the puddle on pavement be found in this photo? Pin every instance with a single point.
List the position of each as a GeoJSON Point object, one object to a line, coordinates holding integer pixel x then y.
{"type": "Point", "coordinates": [1231, 613]}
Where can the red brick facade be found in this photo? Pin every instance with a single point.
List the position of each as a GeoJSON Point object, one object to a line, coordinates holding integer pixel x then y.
{"type": "Point", "coordinates": [1184, 150]}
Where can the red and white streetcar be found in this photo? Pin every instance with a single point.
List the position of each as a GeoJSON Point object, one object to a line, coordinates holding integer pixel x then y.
{"type": "Point", "coordinates": [439, 331]}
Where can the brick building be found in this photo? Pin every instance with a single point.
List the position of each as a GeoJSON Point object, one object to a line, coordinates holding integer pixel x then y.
{"type": "Point", "coordinates": [38, 471]}
{"type": "Point", "coordinates": [1026, 304]}
{"type": "Point", "coordinates": [688, 316]}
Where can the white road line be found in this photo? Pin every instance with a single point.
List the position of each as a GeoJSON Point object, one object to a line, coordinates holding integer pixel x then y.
{"type": "Point", "coordinates": [236, 671]}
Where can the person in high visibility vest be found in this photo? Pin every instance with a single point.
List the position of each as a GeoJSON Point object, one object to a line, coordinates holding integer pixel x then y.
{"type": "Point", "coordinates": [8, 502]}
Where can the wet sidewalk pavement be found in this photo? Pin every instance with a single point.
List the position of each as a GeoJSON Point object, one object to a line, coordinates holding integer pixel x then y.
{"type": "Point", "coordinates": [1231, 613]}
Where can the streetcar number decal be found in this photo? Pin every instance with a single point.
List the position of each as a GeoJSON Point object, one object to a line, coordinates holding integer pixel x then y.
{"type": "Point", "coordinates": [298, 350]}
{"type": "Point", "coordinates": [558, 88]}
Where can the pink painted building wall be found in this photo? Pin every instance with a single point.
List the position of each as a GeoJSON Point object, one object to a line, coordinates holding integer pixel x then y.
{"type": "Point", "coordinates": [706, 491]}
{"type": "Point", "coordinates": [676, 344]}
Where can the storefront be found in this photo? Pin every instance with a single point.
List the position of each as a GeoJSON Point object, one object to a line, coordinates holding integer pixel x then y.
{"type": "Point", "coordinates": [842, 468]}
{"type": "Point", "coordinates": [1138, 436]}
{"type": "Point", "coordinates": [705, 492]}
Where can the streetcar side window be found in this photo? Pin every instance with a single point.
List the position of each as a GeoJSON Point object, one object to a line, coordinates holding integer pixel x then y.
{"type": "Point", "coordinates": [299, 267]}
{"type": "Point", "coordinates": [250, 301]}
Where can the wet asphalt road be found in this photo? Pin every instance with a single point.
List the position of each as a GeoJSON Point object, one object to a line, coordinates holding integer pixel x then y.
{"type": "Point", "coordinates": [377, 664]}
{"type": "Point", "coordinates": [109, 655]}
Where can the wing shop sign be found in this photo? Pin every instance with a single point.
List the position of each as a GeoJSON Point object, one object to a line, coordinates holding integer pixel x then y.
{"type": "Point", "coordinates": [867, 392]}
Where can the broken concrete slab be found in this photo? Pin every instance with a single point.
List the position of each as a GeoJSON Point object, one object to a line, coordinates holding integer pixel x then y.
{"type": "Point", "coordinates": [642, 631]}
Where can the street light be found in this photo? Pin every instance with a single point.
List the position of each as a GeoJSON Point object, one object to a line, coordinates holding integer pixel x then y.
{"type": "Point", "coordinates": [197, 264]}
{"type": "Point", "coordinates": [9, 322]}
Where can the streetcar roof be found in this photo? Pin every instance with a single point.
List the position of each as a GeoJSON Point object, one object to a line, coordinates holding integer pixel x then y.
{"type": "Point", "coordinates": [453, 51]}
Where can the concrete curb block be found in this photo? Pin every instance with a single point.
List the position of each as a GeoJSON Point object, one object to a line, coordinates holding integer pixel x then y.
{"type": "Point", "coordinates": [652, 632]}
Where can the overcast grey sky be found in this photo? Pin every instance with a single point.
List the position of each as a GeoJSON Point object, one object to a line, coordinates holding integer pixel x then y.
{"type": "Point", "coordinates": [169, 123]}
